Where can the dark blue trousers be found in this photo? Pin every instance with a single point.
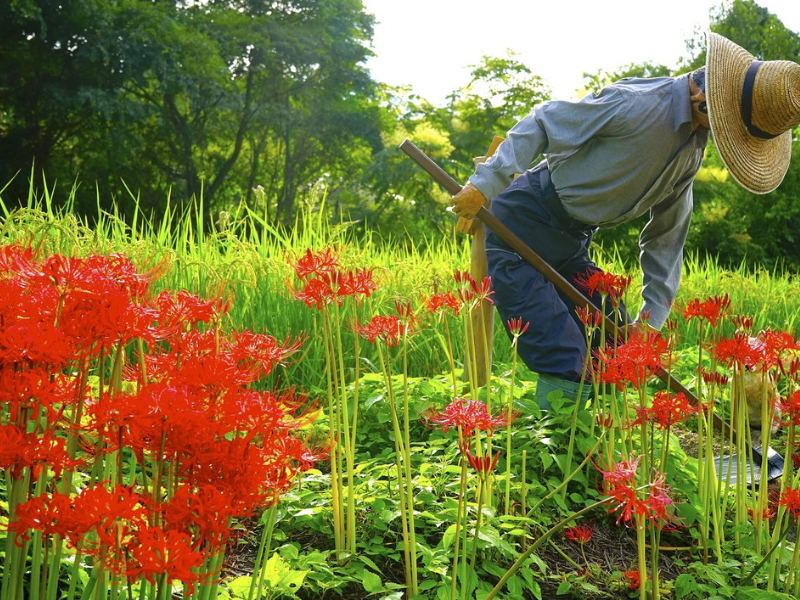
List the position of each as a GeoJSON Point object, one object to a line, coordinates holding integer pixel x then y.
{"type": "Point", "coordinates": [554, 343]}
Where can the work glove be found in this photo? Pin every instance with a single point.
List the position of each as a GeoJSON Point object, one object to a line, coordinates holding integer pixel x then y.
{"type": "Point", "coordinates": [466, 205]}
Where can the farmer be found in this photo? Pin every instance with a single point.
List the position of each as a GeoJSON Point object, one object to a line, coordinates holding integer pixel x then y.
{"type": "Point", "coordinates": [630, 149]}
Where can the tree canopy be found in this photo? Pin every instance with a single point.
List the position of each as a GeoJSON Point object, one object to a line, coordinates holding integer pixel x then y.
{"type": "Point", "coordinates": [268, 105]}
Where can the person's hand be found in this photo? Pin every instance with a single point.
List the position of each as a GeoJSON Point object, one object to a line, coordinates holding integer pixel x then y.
{"type": "Point", "coordinates": [468, 202]}
{"type": "Point", "coordinates": [468, 226]}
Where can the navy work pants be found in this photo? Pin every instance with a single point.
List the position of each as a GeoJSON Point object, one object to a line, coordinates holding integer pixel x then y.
{"type": "Point", "coordinates": [555, 342]}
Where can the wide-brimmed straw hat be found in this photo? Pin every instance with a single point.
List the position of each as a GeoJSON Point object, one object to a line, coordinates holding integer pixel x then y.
{"type": "Point", "coordinates": [753, 107]}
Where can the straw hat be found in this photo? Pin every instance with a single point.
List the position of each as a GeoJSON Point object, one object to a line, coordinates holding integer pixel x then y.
{"type": "Point", "coordinates": [753, 107]}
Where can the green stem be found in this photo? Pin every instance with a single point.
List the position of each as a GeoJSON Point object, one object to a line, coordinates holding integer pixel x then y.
{"type": "Point", "coordinates": [749, 579]}
{"type": "Point", "coordinates": [641, 553]}
{"type": "Point", "coordinates": [462, 487]}
{"type": "Point", "coordinates": [567, 479]}
{"type": "Point", "coordinates": [574, 423]}
{"type": "Point", "coordinates": [266, 540]}
{"type": "Point", "coordinates": [537, 544]}
{"type": "Point", "coordinates": [407, 464]}
{"type": "Point", "coordinates": [507, 502]}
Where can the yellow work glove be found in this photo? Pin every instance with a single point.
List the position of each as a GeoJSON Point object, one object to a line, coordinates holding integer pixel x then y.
{"type": "Point", "coordinates": [466, 205]}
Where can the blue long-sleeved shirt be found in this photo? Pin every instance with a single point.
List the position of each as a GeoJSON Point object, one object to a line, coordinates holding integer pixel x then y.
{"type": "Point", "coordinates": [612, 157]}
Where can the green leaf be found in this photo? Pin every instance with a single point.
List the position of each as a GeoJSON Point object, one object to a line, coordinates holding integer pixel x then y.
{"type": "Point", "coordinates": [240, 586]}
{"type": "Point", "coordinates": [685, 584]}
{"type": "Point", "coordinates": [369, 402]}
{"type": "Point", "coordinates": [281, 577]}
{"type": "Point", "coordinates": [371, 582]}
{"type": "Point", "coordinates": [751, 593]}
{"type": "Point", "coordinates": [563, 588]}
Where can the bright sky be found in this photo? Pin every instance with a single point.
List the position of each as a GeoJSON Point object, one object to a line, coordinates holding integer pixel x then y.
{"type": "Point", "coordinates": [430, 44]}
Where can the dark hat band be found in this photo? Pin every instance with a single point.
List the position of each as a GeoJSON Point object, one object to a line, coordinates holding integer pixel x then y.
{"type": "Point", "coordinates": [747, 102]}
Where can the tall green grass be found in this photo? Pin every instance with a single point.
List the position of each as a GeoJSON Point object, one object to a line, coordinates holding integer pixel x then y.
{"type": "Point", "coordinates": [250, 261]}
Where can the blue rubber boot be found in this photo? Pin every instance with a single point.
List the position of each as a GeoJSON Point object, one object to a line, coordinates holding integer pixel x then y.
{"type": "Point", "coordinates": [549, 384]}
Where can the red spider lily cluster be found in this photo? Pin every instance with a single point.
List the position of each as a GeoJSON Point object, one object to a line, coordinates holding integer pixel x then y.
{"type": "Point", "coordinates": [762, 353]}
{"type": "Point", "coordinates": [630, 503]}
{"type": "Point", "coordinates": [790, 408]}
{"type": "Point", "coordinates": [666, 410]}
{"type": "Point", "coordinates": [389, 329]}
{"type": "Point", "coordinates": [790, 500]}
{"type": "Point", "coordinates": [324, 282]}
{"type": "Point", "coordinates": [711, 310]}
{"type": "Point", "coordinates": [470, 291]}
{"type": "Point", "coordinates": [442, 302]}
{"type": "Point", "coordinates": [178, 440]}
{"type": "Point", "coordinates": [595, 281]}
{"type": "Point", "coordinates": [468, 416]}
{"type": "Point", "coordinates": [634, 361]}
{"type": "Point", "coordinates": [580, 534]}
{"type": "Point", "coordinates": [634, 579]}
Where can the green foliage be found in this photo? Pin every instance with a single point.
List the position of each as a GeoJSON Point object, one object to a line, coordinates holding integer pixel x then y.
{"type": "Point", "coordinates": [188, 98]}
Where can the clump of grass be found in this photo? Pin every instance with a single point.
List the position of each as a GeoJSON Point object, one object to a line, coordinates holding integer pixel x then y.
{"type": "Point", "coordinates": [248, 259]}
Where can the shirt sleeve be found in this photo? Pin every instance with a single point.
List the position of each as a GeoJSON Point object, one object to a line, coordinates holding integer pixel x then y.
{"type": "Point", "coordinates": [661, 243]}
{"type": "Point", "coordinates": [553, 127]}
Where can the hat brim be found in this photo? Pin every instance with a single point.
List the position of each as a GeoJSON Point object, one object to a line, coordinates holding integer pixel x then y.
{"type": "Point", "coordinates": [758, 165]}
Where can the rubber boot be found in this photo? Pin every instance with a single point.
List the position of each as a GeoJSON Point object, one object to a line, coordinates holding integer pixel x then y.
{"type": "Point", "coordinates": [549, 384]}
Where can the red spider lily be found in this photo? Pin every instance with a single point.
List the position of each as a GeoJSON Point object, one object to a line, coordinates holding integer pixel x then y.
{"type": "Point", "coordinates": [633, 361]}
{"type": "Point", "coordinates": [316, 263]}
{"type": "Point", "coordinates": [790, 408]}
{"type": "Point", "coordinates": [772, 345]}
{"type": "Point", "coordinates": [406, 314]}
{"type": "Point", "coordinates": [763, 352]}
{"type": "Point", "coordinates": [317, 293]}
{"type": "Point", "coordinates": [517, 327]}
{"type": "Point", "coordinates": [620, 482]}
{"type": "Point", "coordinates": [19, 449]}
{"type": "Point", "coordinates": [32, 340]}
{"type": "Point", "coordinates": [736, 351]}
{"type": "Point", "coordinates": [154, 552]}
{"type": "Point", "coordinates": [768, 513]}
{"type": "Point", "coordinates": [590, 318]}
{"type": "Point", "coordinates": [606, 284]}
{"type": "Point", "coordinates": [441, 302]}
{"type": "Point", "coordinates": [470, 291]}
{"type": "Point", "coordinates": [790, 499]}
{"type": "Point", "coordinates": [356, 283]}
{"type": "Point", "coordinates": [658, 499]}
{"type": "Point", "coordinates": [483, 465]}
{"type": "Point", "coordinates": [604, 421]}
{"type": "Point", "coordinates": [711, 309]}
{"type": "Point", "coordinates": [387, 328]}
{"type": "Point", "coordinates": [182, 310]}
{"type": "Point", "coordinates": [623, 472]}
{"type": "Point", "coordinates": [666, 410]}
{"type": "Point", "coordinates": [205, 513]}
{"type": "Point", "coordinates": [743, 323]}
{"type": "Point", "coordinates": [326, 288]}
{"type": "Point", "coordinates": [16, 259]}
{"type": "Point", "coordinates": [36, 388]}
{"type": "Point", "coordinates": [260, 353]}
{"type": "Point", "coordinates": [581, 534]}
{"type": "Point", "coordinates": [634, 578]}
{"type": "Point", "coordinates": [713, 377]}
{"type": "Point", "coordinates": [45, 514]}
{"type": "Point", "coordinates": [469, 415]}
{"type": "Point", "coordinates": [110, 514]}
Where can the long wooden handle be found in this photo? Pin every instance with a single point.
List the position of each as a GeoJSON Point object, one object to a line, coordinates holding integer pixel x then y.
{"type": "Point", "coordinates": [526, 252]}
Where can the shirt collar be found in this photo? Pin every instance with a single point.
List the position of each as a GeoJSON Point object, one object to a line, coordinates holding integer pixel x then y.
{"type": "Point", "coordinates": [681, 104]}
